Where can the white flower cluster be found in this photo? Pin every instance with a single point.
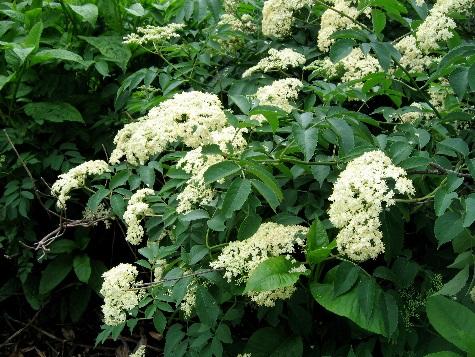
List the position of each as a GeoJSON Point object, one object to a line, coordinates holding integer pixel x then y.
{"type": "Point", "coordinates": [357, 65]}
{"type": "Point", "coordinates": [100, 213]}
{"type": "Point", "coordinates": [412, 57]}
{"type": "Point", "coordinates": [196, 163]}
{"type": "Point", "coordinates": [118, 294]}
{"type": "Point", "coordinates": [278, 16]}
{"type": "Point", "coordinates": [416, 113]}
{"type": "Point", "coordinates": [159, 267]}
{"type": "Point", "coordinates": [75, 178]}
{"type": "Point", "coordinates": [136, 210]}
{"type": "Point", "coordinates": [189, 117]}
{"type": "Point", "coordinates": [331, 21]}
{"type": "Point", "coordinates": [239, 258]}
{"type": "Point", "coordinates": [357, 202]}
{"type": "Point", "coordinates": [277, 60]}
{"type": "Point", "coordinates": [154, 34]}
{"type": "Point", "coordinates": [280, 93]}
{"type": "Point", "coordinates": [140, 352]}
{"type": "Point", "coordinates": [189, 300]}
{"type": "Point", "coordinates": [243, 24]}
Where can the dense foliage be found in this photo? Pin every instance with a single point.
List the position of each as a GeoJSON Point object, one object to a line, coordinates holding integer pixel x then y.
{"type": "Point", "coordinates": [277, 178]}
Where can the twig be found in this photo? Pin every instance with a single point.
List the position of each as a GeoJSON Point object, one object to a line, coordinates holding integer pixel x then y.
{"type": "Point", "coordinates": [447, 171]}
{"type": "Point", "coordinates": [20, 330]}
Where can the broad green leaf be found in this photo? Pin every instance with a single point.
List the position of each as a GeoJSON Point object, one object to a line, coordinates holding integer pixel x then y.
{"type": "Point", "coordinates": [453, 321]}
{"type": "Point", "coordinates": [469, 214]}
{"type": "Point", "coordinates": [242, 102]}
{"type": "Point", "coordinates": [454, 285]}
{"type": "Point", "coordinates": [23, 53]}
{"type": "Point", "coordinates": [236, 195]}
{"type": "Point", "coordinates": [87, 12]}
{"type": "Point", "coordinates": [379, 20]}
{"type": "Point", "coordinates": [147, 175]}
{"type": "Point", "coordinates": [457, 145]}
{"type": "Point", "coordinates": [82, 267]}
{"type": "Point", "coordinates": [206, 307]}
{"type": "Point", "coordinates": [383, 318]}
{"type": "Point", "coordinates": [220, 170]}
{"type": "Point", "coordinates": [340, 49]}
{"type": "Point", "coordinates": [273, 273]}
{"type": "Point", "coordinates": [117, 203]}
{"type": "Point", "coordinates": [306, 139]}
{"type": "Point", "coordinates": [54, 273]}
{"type": "Point", "coordinates": [119, 179]}
{"type": "Point", "coordinates": [136, 10]}
{"type": "Point", "coordinates": [447, 227]}
{"type": "Point", "coordinates": [53, 112]}
{"type": "Point", "coordinates": [459, 81]}
{"type": "Point", "coordinates": [112, 48]}
{"type": "Point", "coordinates": [442, 201]}
{"type": "Point", "coordinates": [344, 132]}
{"type": "Point", "coordinates": [471, 77]}
{"type": "Point", "coordinates": [159, 321]}
{"type": "Point", "coordinates": [346, 277]}
{"type": "Point", "coordinates": [268, 194]}
{"type": "Point", "coordinates": [270, 342]}
{"type": "Point", "coordinates": [266, 177]}
{"type": "Point", "coordinates": [197, 253]}
{"type": "Point", "coordinates": [249, 226]}
{"type": "Point", "coordinates": [56, 54]}
{"type": "Point", "coordinates": [317, 235]}
{"type": "Point", "coordinates": [195, 215]}
{"type": "Point", "coordinates": [443, 354]}
{"type": "Point", "coordinates": [97, 198]}
{"type": "Point", "coordinates": [34, 36]}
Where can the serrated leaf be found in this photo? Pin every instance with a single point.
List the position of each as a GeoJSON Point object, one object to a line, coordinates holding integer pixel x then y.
{"type": "Point", "coordinates": [442, 201]}
{"type": "Point", "coordinates": [306, 139]}
{"type": "Point", "coordinates": [54, 273]}
{"type": "Point", "coordinates": [457, 283]}
{"type": "Point", "coordinates": [235, 196]}
{"type": "Point", "coordinates": [345, 278]}
{"type": "Point", "coordinates": [53, 112]}
{"type": "Point", "coordinates": [273, 273]}
{"type": "Point", "coordinates": [87, 12]}
{"type": "Point", "coordinates": [220, 170]}
{"type": "Point", "coordinates": [82, 267]}
{"type": "Point", "coordinates": [206, 307]}
{"type": "Point", "coordinates": [453, 321]}
{"type": "Point", "coordinates": [447, 227]}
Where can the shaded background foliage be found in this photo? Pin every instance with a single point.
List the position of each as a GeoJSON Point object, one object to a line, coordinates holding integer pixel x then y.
{"type": "Point", "coordinates": [68, 83]}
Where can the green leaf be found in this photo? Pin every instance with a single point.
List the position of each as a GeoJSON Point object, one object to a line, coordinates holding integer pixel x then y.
{"type": "Point", "coordinates": [270, 342]}
{"type": "Point", "coordinates": [317, 236]}
{"type": "Point", "coordinates": [82, 267]}
{"type": "Point", "coordinates": [453, 321]}
{"type": "Point", "coordinates": [159, 321]}
{"type": "Point", "coordinates": [136, 10]}
{"type": "Point", "coordinates": [454, 285]}
{"type": "Point", "coordinates": [249, 226]}
{"type": "Point", "coordinates": [471, 77]}
{"type": "Point", "coordinates": [220, 170]}
{"type": "Point", "coordinates": [242, 102]}
{"type": "Point", "coordinates": [206, 307]}
{"type": "Point", "coordinates": [53, 112]}
{"type": "Point", "coordinates": [344, 132]}
{"type": "Point", "coordinates": [340, 49]}
{"type": "Point", "coordinates": [457, 145]}
{"type": "Point", "coordinates": [346, 277]}
{"type": "Point", "coordinates": [266, 177]}
{"type": "Point", "coordinates": [195, 215]}
{"type": "Point", "coordinates": [97, 198]}
{"type": "Point", "coordinates": [78, 302]}
{"type": "Point", "coordinates": [236, 195]}
{"type": "Point", "coordinates": [34, 36]}
{"type": "Point", "coordinates": [442, 201]}
{"type": "Point", "coordinates": [55, 54]}
{"type": "Point", "coordinates": [147, 175]}
{"type": "Point", "coordinates": [469, 214]}
{"type": "Point", "coordinates": [197, 253]}
{"type": "Point", "coordinates": [267, 193]}
{"type": "Point", "coordinates": [273, 273]}
{"type": "Point", "coordinates": [379, 20]}
{"type": "Point", "coordinates": [112, 48]}
{"type": "Point", "coordinates": [117, 203]}
{"type": "Point", "coordinates": [443, 354]}
{"type": "Point", "coordinates": [54, 273]}
{"type": "Point", "coordinates": [355, 304]}
{"type": "Point", "coordinates": [119, 179]}
{"type": "Point", "coordinates": [447, 227]}
{"type": "Point", "coordinates": [87, 12]}
{"type": "Point", "coordinates": [459, 81]}
{"type": "Point", "coordinates": [306, 139]}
